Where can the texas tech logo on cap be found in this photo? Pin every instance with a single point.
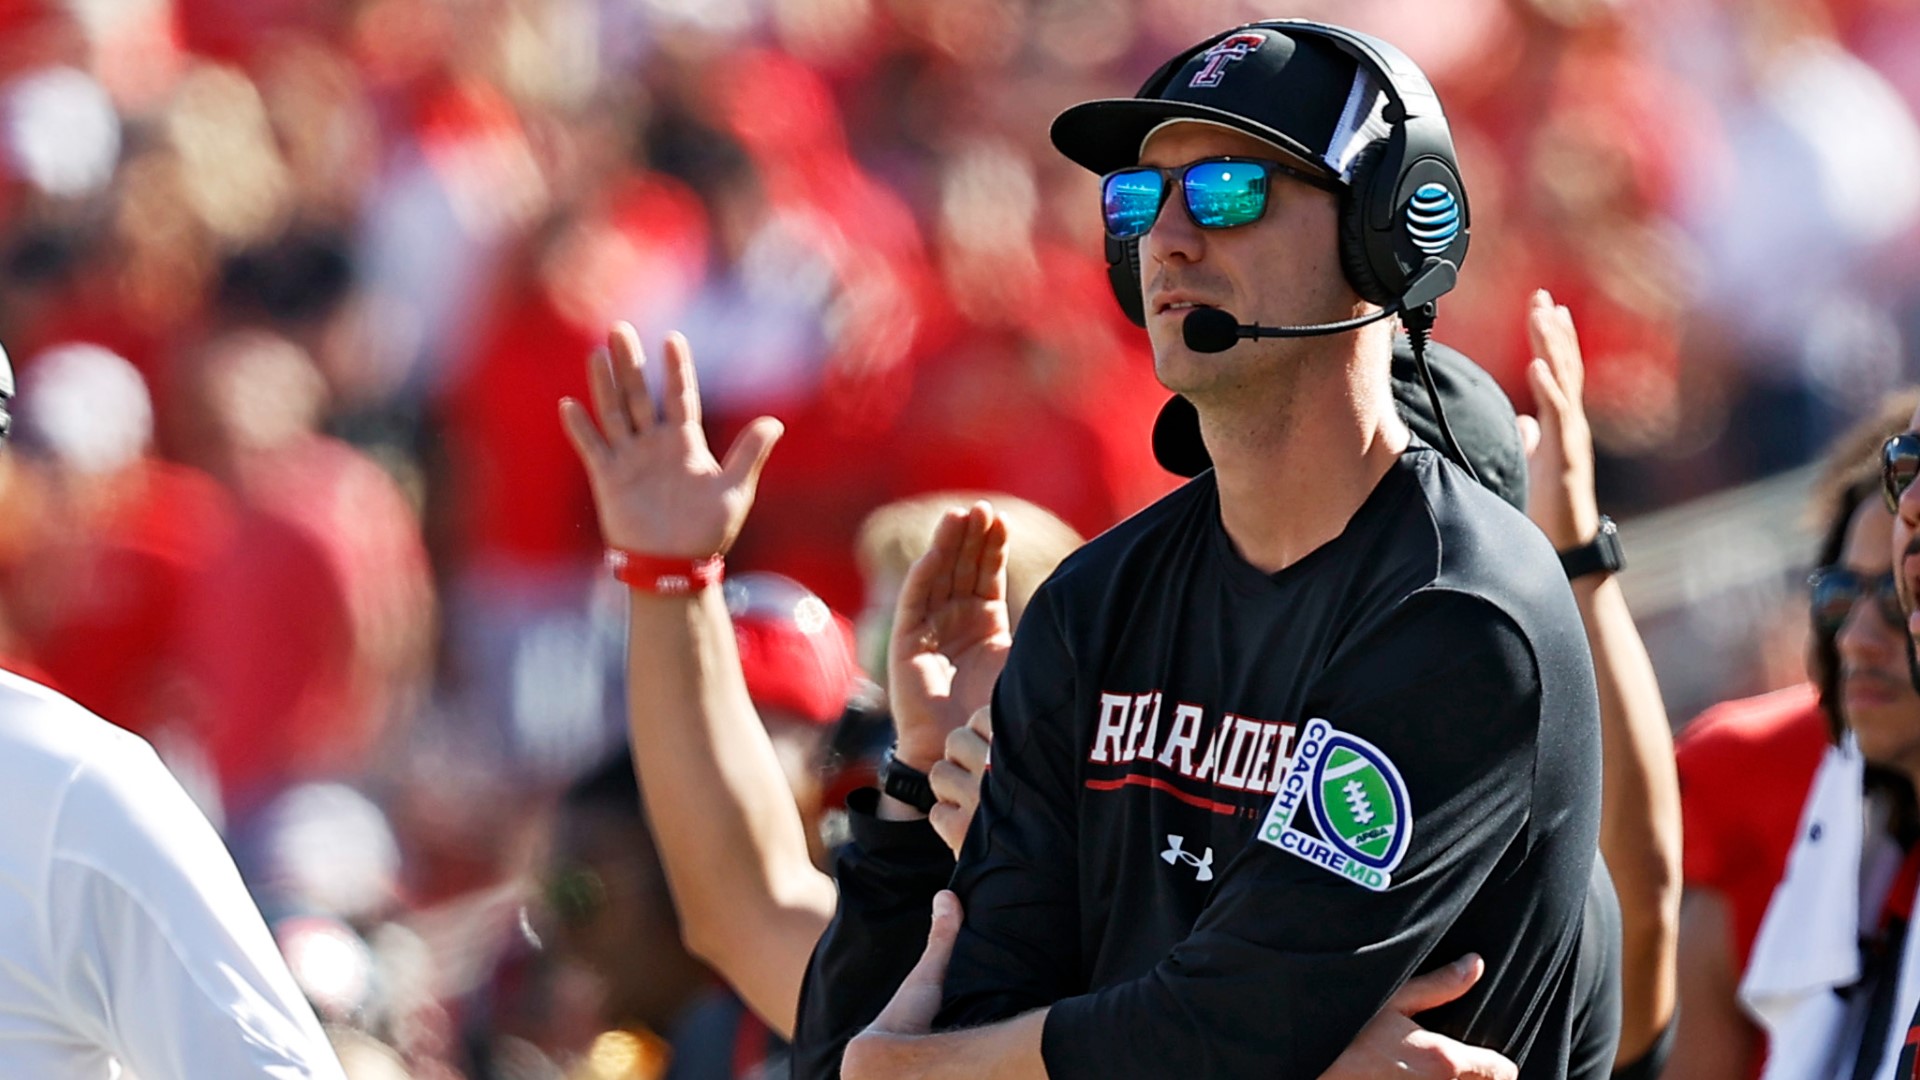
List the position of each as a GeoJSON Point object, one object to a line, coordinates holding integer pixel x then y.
{"type": "Point", "coordinates": [1226, 52]}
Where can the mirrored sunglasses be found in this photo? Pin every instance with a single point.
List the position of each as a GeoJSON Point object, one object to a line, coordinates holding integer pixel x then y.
{"type": "Point", "coordinates": [1899, 464]}
{"type": "Point", "coordinates": [1218, 193]}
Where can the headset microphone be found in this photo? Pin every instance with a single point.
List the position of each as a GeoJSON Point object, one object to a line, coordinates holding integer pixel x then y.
{"type": "Point", "coordinates": [1211, 330]}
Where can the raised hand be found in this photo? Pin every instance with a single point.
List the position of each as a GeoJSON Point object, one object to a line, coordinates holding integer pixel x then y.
{"type": "Point", "coordinates": [656, 486]}
{"type": "Point", "coordinates": [1560, 496]}
{"type": "Point", "coordinates": [950, 633]}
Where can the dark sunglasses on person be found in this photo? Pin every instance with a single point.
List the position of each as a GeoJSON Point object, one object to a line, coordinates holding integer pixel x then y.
{"type": "Point", "coordinates": [1837, 589]}
{"type": "Point", "coordinates": [1218, 192]}
{"type": "Point", "coordinates": [1899, 464]}
{"type": "Point", "coordinates": [576, 895]}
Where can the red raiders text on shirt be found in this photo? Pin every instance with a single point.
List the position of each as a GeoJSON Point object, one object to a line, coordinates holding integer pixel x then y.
{"type": "Point", "coordinates": [1237, 753]}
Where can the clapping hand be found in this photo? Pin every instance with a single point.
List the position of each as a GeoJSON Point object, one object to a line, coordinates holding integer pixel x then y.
{"type": "Point", "coordinates": [950, 633]}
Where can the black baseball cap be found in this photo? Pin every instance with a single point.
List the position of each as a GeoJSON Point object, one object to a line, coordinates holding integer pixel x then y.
{"type": "Point", "coordinates": [1479, 412]}
{"type": "Point", "coordinates": [1297, 91]}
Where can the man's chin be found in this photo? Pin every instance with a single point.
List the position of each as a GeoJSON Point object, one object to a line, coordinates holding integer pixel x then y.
{"type": "Point", "coordinates": [1183, 371]}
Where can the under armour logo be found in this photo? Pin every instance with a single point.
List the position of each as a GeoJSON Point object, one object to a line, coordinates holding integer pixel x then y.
{"type": "Point", "coordinates": [1226, 52]}
{"type": "Point", "coordinates": [1202, 864]}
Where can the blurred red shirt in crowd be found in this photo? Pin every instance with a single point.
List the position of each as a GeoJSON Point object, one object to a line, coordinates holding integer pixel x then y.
{"type": "Point", "coordinates": [114, 643]}
{"type": "Point", "coordinates": [1745, 769]}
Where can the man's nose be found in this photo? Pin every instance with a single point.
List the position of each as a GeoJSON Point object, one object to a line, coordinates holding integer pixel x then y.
{"type": "Point", "coordinates": [1175, 236]}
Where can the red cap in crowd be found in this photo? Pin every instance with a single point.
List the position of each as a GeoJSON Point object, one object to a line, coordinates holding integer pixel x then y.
{"type": "Point", "coordinates": [798, 655]}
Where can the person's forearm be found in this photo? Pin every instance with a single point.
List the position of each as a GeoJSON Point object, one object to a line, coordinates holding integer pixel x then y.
{"type": "Point", "coordinates": [1640, 816]}
{"type": "Point", "coordinates": [1009, 1050]}
{"type": "Point", "coordinates": [735, 850]}
{"type": "Point", "coordinates": [1715, 1039]}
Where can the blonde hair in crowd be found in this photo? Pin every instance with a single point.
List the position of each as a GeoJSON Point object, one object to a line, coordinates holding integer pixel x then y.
{"type": "Point", "coordinates": [896, 534]}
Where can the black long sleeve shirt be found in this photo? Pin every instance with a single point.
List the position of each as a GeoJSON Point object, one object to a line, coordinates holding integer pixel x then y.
{"type": "Point", "coordinates": [1145, 863]}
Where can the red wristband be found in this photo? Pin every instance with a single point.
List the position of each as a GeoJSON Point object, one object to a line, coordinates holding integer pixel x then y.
{"type": "Point", "coordinates": [662, 576]}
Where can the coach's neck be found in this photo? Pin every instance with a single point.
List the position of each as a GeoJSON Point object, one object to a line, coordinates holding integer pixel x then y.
{"type": "Point", "coordinates": [1294, 457]}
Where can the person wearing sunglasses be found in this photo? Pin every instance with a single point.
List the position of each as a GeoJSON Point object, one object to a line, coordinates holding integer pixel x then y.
{"type": "Point", "coordinates": [1318, 719]}
{"type": "Point", "coordinates": [1899, 466]}
{"type": "Point", "coordinates": [1748, 770]}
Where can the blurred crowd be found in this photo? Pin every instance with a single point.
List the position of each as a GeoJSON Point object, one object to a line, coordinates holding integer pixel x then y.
{"type": "Point", "coordinates": [293, 285]}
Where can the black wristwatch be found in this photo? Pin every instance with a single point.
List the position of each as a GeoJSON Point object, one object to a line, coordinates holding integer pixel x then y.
{"type": "Point", "coordinates": [906, 783]}
{"type": "Point", "coordinates": [1600, 555]}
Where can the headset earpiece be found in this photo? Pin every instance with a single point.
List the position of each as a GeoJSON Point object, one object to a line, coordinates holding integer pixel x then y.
{"type": "Point", "coordinates": [1406, 212]}
{"type": "Point", "coordinates": [1123, 274]}
{"type": "Point", "coordinates": [1356, 254]}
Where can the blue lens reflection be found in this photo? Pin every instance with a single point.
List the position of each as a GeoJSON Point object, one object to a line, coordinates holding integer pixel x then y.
{"type": "Point", "coordinates": [1131, 202]}
{"type": "Point", "coordinates": [1222, 194]}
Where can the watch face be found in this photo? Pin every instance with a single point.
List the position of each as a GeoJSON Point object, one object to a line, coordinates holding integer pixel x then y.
{"type": "Point", "coordinates": [1612, 555]}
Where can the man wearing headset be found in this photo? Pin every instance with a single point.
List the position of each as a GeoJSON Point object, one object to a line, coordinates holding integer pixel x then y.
{"type": "Point", "coordinates": [1318, 720]}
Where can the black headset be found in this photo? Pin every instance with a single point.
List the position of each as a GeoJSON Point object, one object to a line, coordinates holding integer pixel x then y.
{"type": "Point", "coordinates": [1403, 219]}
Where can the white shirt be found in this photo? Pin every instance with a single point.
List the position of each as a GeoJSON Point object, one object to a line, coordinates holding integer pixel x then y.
{"type": "Point", "coordinates": [126, 936]}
